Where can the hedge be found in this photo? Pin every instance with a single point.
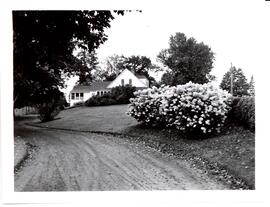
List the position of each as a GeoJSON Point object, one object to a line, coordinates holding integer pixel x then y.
{"type": "Point", "coordinates": [118, 95]}
{"type": "Point", "coordinates": [243, 112]}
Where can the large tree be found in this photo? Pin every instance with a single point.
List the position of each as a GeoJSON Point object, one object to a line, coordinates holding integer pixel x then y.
{"type": "Point", "coordinates": [43, 45]}
{"type": "Point", "coordinates": [239, 82]}
{"type": "Point", "coordinates": [187, 60]}
{"type": "Point", "coordinates": [138, 64]}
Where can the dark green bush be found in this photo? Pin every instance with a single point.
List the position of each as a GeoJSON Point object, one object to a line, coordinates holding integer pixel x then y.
{"type": "Point", "coordinates": [55, 103]}
{"type": "Point", "coordinates": [103, 100]}
{"type": "Point", "coordinates": [47, 111]}
{"type": "Point", "coordinates": [81, 103]}
{"type": "Point", "coordinates": [118, 95]}
{"type": "Point", "coordinates": [243, 112]}
{"type": "Point", "coordinates": [63, 102]}
{"type": "Point", "coordinates": [126, 90]}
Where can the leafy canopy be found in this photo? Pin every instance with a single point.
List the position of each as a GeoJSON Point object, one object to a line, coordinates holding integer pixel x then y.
{"type": "Point", "coordinates": [89, 64]}
{"type": "Point", "coordinates": [187, 60]}
{"type": "Point", "coordinates": [43, 47]}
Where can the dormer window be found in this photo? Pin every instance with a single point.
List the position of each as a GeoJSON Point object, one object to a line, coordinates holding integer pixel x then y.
{"type": "Point", "coordinates": [123, 82]}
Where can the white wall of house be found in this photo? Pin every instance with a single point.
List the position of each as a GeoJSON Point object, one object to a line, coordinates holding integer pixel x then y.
{"type": "Point", "coordinates": [85, 97]}
{"type": "Point", "coordinates": [79, 99]}
{"type": "Point", "coordinates": [124, 78]}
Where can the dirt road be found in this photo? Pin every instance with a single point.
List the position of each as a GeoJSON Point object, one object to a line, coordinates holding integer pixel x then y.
{"type": "Point", "coordinates": [74, 161]}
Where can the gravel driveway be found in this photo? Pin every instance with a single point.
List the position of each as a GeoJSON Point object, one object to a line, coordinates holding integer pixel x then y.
{"type": "Point", "coordinates": [75, 161]}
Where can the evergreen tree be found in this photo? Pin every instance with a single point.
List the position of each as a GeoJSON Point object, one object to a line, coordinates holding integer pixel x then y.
{"type": "Point", "coordinates": [240, 85]}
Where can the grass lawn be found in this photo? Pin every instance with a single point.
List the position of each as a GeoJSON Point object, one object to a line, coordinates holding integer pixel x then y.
{"type": "Point", "coordinates": [99, 118]}
{"type": "Point", "coordinates": [233, 149]}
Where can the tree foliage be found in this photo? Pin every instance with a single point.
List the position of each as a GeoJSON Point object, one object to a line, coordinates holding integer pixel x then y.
{"type": "Point", "coordinates": [167, 78]}
{"type": "Point", "coordinates": [139, 65]}
{"type": "Point", "coordinates": [240, 85]}
{"type": "Point", "coordinates": [252, 86]}
{"type": "Point", "coordinates": [43, 47]}
{"type": "Point", "coordinates": [112, 67]}
{"type": "Point", "coordinates": [187, 59]}
{"type": "Point", "coordinates": [89, 62]}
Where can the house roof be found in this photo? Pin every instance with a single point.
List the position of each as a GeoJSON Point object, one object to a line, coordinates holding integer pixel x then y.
{"type": "Point", "coordinates": [81, 89]}
{"type": "Point", "coordinates": [99, 85]}
{"type": "Point", "coordinates": [95, 86]}
{"type": "Point", "coordinates": [141, 76]}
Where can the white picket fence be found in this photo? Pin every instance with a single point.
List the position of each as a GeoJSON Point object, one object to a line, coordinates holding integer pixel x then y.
{"type": "Point", "coordinates": [25, 110]}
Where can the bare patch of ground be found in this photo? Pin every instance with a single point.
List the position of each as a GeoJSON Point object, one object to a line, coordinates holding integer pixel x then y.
{"type": "Point", "coordinates": [20, 150]}
{"type": "Point", "coordinates": [75, 161]}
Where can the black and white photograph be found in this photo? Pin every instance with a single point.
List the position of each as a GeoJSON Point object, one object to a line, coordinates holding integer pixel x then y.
{"type": "Point", "coordinates": [137, 99]}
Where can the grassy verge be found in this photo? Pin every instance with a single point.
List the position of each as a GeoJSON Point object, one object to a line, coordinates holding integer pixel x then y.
{"type": "Point", "coordinates": [230, 154]}
{"type": "Point", "coordinates": [233, 150]}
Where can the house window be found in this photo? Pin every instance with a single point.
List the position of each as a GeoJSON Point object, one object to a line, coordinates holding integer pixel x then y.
{"type": "Point", "coordinates": [81, 96]}
{"type": "Point", "coordinates": [101, 92]}
{"type": "Point", "coordinates": [72, 96]}
{"type": "Point", "coordinates": [98, 93]}
{"type": "Point", "coordinates": [130, 81]}
{"type": "Point", "coordinates": [122, 82]}
{"type": "Point", "coordinates": [77, 96]}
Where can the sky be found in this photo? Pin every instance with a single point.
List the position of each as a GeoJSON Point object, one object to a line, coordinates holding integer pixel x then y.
{"type": "Point", "coordinates": [230, 29]}
{"type": "Point", "coordinates": [234, 30]}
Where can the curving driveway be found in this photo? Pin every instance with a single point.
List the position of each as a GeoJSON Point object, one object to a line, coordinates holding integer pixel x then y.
{"type": "Point", "coordinates": [75, 161]}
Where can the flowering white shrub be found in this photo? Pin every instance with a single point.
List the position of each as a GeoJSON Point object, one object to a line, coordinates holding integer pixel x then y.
{"type": "Point", "coordinates": [145, 107]}
{"type": "Point", "coordinates": [190, 107]}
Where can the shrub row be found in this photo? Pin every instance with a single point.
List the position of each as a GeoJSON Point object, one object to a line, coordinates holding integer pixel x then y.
{"type": "Point", "coordinates": [188, 108]}
{"type": "Point", "coordinates": [118, 95]}
{"type": "Point", "coordinates": [243, 112]}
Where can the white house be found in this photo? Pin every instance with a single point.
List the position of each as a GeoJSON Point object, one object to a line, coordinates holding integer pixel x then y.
{"type": "Point", "coordinates": [81, 93]}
